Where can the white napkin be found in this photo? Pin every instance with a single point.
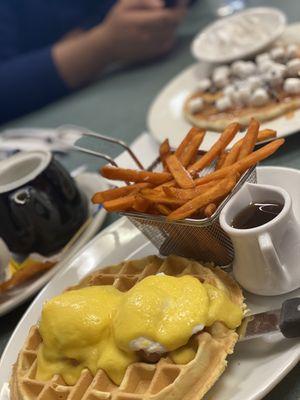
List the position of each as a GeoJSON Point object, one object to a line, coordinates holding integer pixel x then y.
{"type": "Point", "coordinates": [30, 139]}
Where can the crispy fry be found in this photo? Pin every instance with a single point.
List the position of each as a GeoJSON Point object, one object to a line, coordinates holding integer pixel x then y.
{"type": "Point", "coordinates": [187, 194]}
{"type": "Point", "coordinates": [220, 190]}
{"type": "Point", "coordinates": [180, 174]}
{"type": "Point", "coordinates": [221, 160]}
{"type": "Point", "coordinates": [176, 192]}
{"type": "Point", "coordinates": [131, 175]}
{"type": "Point", "coordinates": [160, 198]}
{"type": "Point", "coordinates": [140, 204]}
{"type": "Point", "coordinates": [164, 152]}
{"type": "Point", "coordinates": [159, 188]}
{"type": "Point", "coordinates": [152, 209]}
{"type": "Point", "coordinates": [169, 184]}
{"type": "Point", "coordinates": [266, 134]}
{"type": "Point", "coordinates": [152, 192]}
{"type": "Point", "coordinates": [233, 154]}
{"type": "Point", "coordinates": [249, 139]}
{"type": "Point", "coordinates": [120, 204]}
{"type": "Point", "coordinates": [25, 273]}
{"type": "Point", "coordinates": [217, 148]}
{"type": "Point", "coordinates": [190, 152]}
{"type": "Point", "coordinates": [112, 194]}
{"type": "Point", "coordinates": [163, 209]}
{"type": "Point", "coordinates": [210, 209]}
{"type": "Point", "coordinates": [242, 165]}
{"type": "Point", "coordinates": [191, 133]}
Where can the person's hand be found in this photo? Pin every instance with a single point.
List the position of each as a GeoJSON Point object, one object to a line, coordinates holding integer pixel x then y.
{"type": "Point", "coordinates": [139, 30]}
{"type": "Point", "coordinates": [134, 30]}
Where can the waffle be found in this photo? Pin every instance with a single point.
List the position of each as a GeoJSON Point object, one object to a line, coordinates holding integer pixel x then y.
{"type": "Point", "coordinates": [161, 381]}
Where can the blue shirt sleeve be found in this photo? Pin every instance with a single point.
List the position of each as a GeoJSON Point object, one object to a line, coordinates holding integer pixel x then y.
{"type": "Point", "coordinates": [28, 82]}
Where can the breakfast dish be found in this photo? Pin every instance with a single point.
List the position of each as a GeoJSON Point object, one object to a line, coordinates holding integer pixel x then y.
{"type": "Point", "coordinates": [253, 369]}
{"type": "Point", "coordinates": [189, 184]}
{"type": "Point", "coordinates": [172, 124]}
{"type": "Point", "coordinates": [183, 373]}
{"type": "Point", "coordinates": [20, 281]}
{"type": "Point", "coordinates": [22, 272]}
{"type": "Point", "coordinates": [265, 88]}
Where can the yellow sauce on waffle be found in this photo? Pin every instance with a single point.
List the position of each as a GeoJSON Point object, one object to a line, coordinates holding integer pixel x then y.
{"type": "Point", "coordinates": [97, 327]}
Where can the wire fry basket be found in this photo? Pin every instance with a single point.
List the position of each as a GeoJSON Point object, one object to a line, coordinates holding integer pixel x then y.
{"type": "Point", "coordinates": [200, 239]}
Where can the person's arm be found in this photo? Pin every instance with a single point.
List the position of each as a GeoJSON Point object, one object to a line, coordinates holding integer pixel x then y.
{"type": "Point", "coordinates": [134, 30]}
{"type": "Point", "coordinates": [28, 82]}
{"type": "Point", "coordinates": [80, 59]}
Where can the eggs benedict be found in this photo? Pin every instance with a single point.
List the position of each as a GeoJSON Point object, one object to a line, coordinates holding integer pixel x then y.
{"type": "Point", "coordinates": [100, 327]}
{"type": "Point", "coordinates": [141, 329]}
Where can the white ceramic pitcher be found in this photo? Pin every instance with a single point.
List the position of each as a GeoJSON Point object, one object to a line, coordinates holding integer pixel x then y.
{"type": "Point", "coordinates": [267, 258]}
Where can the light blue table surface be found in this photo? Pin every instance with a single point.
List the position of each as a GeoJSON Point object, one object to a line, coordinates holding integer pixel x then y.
{"type": "Point", "coordinates": [117, 106]}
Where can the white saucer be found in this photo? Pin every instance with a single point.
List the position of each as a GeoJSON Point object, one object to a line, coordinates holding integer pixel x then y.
{"type": "Point", "coordinates": [165, 117]}
{"type": "Point", "coordinates": [89, 183]}
{"type": "Point", "coordinates": [215, 43]}
{"type": "Point", "coordinates": [254, 368]}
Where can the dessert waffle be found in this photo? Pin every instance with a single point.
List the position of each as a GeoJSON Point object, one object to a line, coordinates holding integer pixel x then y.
{"type": "Point", "coordinates": [163, 380]}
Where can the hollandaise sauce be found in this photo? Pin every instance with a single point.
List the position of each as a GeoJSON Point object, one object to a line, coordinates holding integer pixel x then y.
{"type": "Point", "coordinates": [100, 327]}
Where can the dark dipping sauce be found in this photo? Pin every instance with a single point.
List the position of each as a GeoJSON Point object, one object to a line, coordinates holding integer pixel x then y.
{"type": "Point", "coordinates": [256, 214]}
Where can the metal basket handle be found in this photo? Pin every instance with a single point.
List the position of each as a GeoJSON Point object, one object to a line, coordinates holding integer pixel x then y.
{"type": "Point", "coordinates": [109, 139]}
{"type": "Point", "coordinates": [97, 154]}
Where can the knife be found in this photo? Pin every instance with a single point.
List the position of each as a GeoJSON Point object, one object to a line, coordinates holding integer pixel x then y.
{"type": "Point", "coordinates": [285, 320]}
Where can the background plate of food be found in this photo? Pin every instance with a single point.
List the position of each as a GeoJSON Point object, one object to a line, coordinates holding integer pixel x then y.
{"type": "Point", "coordinates": [253, 369]}
{"type": "Point", "coordinates": [20, 281]}
{"type": "Point", "coordinates": [211, 96]}
{"type": "Point", "coordinates": [239, 35]}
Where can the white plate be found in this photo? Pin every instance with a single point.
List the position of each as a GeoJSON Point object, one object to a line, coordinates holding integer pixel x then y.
{"type": "Point", "coordinates": [88, 183]}
{"type": "Point", "coordinates": [165, 118]}
{"type": "Point", "coordinates": [255, 367]}
{"type": "Point", "coordinates": [232, 38]}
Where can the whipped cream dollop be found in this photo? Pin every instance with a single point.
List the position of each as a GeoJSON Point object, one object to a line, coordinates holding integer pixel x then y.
{"type": "Point", "coordinates": [204, 84]}
{"type": "Point", "coordinates": [223, 103]}
{"type": "Point", "coordinates": [260, 97]}
{"type": "Point", "coordinates": [293, 67]}
{"type": "Point", "coordinates": [292, 85]}
{"type": "Point", "coordinates": [291, 51]}
{"type": "Point", "coordinates": [278, 54]}
{"type": "Point", "coordinates": [220, 76]}
{"type": "Point", "coordinates": [196, 104]}
{"type": "Point", "coordinates": [275, 75]}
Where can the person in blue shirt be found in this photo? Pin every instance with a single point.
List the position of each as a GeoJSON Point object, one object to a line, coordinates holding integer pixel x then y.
{"type": "Point", "coordinates": [48, 48]}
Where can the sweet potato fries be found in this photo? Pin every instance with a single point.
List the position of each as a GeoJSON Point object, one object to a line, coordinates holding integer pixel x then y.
{"type": "Point", "coordinates": [178, 191]}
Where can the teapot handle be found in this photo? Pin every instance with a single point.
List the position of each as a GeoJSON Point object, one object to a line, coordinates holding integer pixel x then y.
{"type": "Point", "coordinates": [275, 266]}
